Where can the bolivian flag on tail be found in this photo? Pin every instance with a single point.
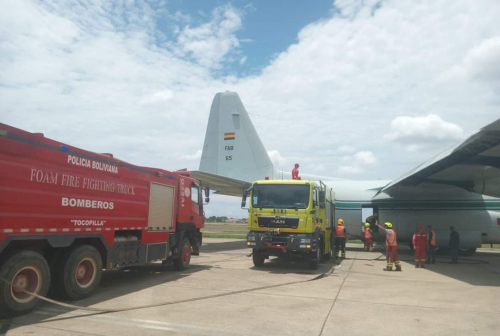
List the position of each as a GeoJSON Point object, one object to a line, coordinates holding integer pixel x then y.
{"type": "Point", "coordinates": [229, 136]}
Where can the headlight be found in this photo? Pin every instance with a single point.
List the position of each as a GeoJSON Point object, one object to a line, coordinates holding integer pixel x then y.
{"type": "Point", "coordinates": [305, 241]}
{"type": "Point", "coordinates": [251, 238]}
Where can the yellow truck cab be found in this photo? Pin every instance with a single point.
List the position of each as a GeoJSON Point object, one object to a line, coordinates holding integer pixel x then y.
{"type": "Point", "coordinates": [289, 218]}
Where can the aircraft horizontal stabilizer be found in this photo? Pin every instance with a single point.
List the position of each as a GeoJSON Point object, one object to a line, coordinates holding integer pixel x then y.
{"type": "Point", "coordinates": [223, 185]}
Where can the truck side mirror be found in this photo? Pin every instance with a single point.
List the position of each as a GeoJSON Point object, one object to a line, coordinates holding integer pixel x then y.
{"type": "Point", "coordinates": [244, 199]}
{"type": "Point", "coordinates": [207, 195]}
{"type": "Point", "coordinates": [322, 197]}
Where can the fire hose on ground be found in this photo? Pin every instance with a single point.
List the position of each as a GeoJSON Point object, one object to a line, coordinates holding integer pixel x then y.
{"type": "Point", "coordinates": [167, 303]}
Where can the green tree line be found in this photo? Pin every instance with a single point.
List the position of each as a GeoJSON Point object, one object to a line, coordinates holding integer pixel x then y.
{"type": "Point", "coordinates": [216, 219]}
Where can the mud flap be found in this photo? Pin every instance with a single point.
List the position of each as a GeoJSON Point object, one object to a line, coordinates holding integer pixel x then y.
{"type": "Point", "coordinates": [196, 243]}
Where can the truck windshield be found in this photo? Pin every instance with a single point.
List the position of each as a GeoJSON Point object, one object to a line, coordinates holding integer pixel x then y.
{"type": "Point", "coordinates": [280, 196]}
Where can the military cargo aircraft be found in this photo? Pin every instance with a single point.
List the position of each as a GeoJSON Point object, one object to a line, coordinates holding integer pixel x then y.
{"type": "Point", "coordinates": [459, 187]}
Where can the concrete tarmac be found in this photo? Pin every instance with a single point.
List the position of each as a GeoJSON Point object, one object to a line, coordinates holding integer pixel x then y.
{"type": "Point", "coordinates": [355, 297]}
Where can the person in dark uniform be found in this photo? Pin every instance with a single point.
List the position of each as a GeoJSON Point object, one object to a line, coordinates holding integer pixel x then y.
{"type": "Point", "coordinates": [373, 220]}
{"type": "Point", "coordinates": [454, 245]}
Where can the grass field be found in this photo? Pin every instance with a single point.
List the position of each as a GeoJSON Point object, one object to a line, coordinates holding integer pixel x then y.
{"type": "Point", "coordinates": [236, 231]}
{"type": "Point", "coordinates": [225, 230]}
{"type": "Point", "coordinates": [239, 231]}
{"type": "Point", "coordinates": [224, 235]}
{"type": "Point", "coordinates": [495, 246]}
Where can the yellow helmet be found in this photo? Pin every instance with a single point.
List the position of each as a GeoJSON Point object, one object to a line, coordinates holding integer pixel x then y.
{"type": "Point", "coordinates": [340, 222]}
{"type": "Point", "coordinates": [389, 225]}
{"type": "Point", "coordinates": [367, 224]}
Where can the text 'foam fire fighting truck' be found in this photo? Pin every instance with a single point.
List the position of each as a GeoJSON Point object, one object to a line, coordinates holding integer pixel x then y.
{"type": "Point", "coordinates": [66, 214]}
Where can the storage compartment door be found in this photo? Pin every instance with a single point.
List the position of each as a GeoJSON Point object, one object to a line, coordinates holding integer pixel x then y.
{"type": "Point", "coordinates": [161, 207]}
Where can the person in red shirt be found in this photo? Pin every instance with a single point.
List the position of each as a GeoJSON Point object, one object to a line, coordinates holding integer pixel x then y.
{"type": "Point", "coordinates": [295, 172]}
{"type": "Point", "coordinates": [368, 238]}
{"type": "Point", "coordinates": [420, 246]}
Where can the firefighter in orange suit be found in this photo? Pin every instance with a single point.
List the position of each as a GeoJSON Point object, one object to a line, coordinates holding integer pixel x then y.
{"type": "Point", "coordinates": [420, 246]}
{"type": "Point", "coordinates": [340, 238]}
{"type": "Point", "coordinates": [391, 244]}
{"type": "Point", "coordinates": [295, 172]}
{"type": "Point", "coordinates": [368, 238]}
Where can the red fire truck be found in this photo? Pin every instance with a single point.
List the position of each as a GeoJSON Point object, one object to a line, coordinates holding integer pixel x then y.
{"type": "Point", "coordinates": [66, 214]}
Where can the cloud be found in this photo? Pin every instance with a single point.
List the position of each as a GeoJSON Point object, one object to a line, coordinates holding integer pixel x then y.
{"type": "Point", "coordinates": [423, 129]}
{"type": "Point", "coordinates": [195, 156]}
{"type": "Point", "coordinates": [278, 161]}
{"type": "Point", "coordinates": [157, 97]}
{"type": "Point", "coordinates": [482, 62]}
{"type": "Point", "coordinates": [349, 170]}
{"type": "Point", "coordinates": [98, 75]}
{"type": "Point", "coordinates": [365, 158]}
{"type": "Point", "coordinates": [352, 8]}
{"type": "Point", "coordinates": [346, 149]}
{"type": "Point", "coordinates": [209, 44]}
{"type": "Point", "coordinates": [359, 162]}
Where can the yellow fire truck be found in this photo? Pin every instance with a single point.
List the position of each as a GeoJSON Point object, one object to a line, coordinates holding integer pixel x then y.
{"type": "Point", "coordinates": [290, 218]}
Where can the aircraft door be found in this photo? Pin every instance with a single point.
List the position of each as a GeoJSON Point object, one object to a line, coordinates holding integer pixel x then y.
{"type": "Point", "coordinates": [369, 214]}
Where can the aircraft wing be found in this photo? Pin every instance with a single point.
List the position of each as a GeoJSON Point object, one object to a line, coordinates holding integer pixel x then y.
{"type": "Point", "coordinates": [223, 185]}
{"type": "Point", "coordinates": [473, 165]}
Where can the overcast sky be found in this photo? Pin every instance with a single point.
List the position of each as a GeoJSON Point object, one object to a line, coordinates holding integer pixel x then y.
{"type": "Point", "coordinates": [352, 89]}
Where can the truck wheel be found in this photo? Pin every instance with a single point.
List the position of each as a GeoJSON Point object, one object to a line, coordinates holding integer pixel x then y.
{"type": "Point", "coordinates": [79, 272]}
{"type": "Point", "coordinates": [258, 258]}
{"type": "Point", "coordinates": [28, 270]}
{"type": "Point", "coordinates": [181, 263]}
{"type": "Point", "coordinates": [314, 261]}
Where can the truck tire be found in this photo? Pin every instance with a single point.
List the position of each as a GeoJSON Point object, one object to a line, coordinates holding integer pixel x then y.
{"type": "Point", "coordinates": [29, 270]}
{"type": "Point", "coordinates": [181, 263]}
{"type": "Point", "coordinates": [313, 262]}
{"type": "Point", "coordinates": [258, 258]}
{"type": "Point", "coordinates": [79, 272]}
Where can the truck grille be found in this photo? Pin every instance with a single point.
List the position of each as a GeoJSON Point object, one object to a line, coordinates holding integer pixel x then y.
{"type": "Point", "coordinates": [279, 222]}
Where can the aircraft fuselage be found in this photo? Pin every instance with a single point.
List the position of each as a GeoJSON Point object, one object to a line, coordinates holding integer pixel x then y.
{"type": "Point", "coordinates": [475, 217]}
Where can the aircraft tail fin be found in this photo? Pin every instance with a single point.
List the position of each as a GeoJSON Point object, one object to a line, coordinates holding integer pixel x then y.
{"type": "Point", "coordinates": [232, 147]}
